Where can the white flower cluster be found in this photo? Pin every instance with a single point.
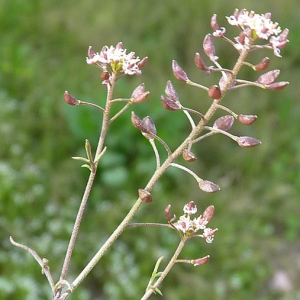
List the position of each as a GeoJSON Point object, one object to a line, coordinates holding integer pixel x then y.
{"type": "Point", "coordinates": [190, 226]}
{"type": "Point", "coordinates": [116, 58]}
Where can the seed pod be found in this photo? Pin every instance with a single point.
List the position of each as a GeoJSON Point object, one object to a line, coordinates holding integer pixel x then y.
{"type": "Point", "coordinates": [209, 47]}
{"type": "Point", "coordinates": [262, 65]}
{"type": "Point", "coordinates": [171, 92]}
{"type": "Point", "coordinates": [188, 156]}
{"type": "Point", "coordinates": [142, 63]}
{"type": "Point", "coordinates": [145, 196]}
{"type": "Point", "coordinates": [200, 63]}
{"type": "Point", "coordinates": [248, 142]}
{"type": "Point", "coordinates": [224, 123]}
{"type": "Point", "coordinates": [150, 126]}
{"type": "Point", "coordinates": [214, 92]}
{"type": "Point", "coordinates": [69, 99]}
{"type": "Point", "coordinates": [139, 95]}
{"type": "Point", "coordinates": [137, 122]}
{"type": "Point", "coordinates": [105, 75]}
{"type": "Point", "coordinates": [247, 119]}
{"type": "Point", "coordinates": [276, 86]}
{"type": "Point", "coordinates": [169, 104]}
{"type": "Point", "coordinates": [208, 213]}
{"type": "Point", "coordinates": [268, 77]}
{"type": "Point", "coordinates": [178, 72]}
{"type": "Point", "coordinates": [201, 261]}
{"type": "Point", "coordinates": [208, 186]}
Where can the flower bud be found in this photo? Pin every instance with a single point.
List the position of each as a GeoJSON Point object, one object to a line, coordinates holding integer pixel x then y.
{"type": "Point", "coordinates": [188, 156]}
{"type": "Point", "coordinates": [247, 119]}
{"type": "Point", "coordinates": [200, 63]}
{"type": "Point", "coordinates": [145, 196]}
{"type": "Point", "coordinates": [70, 99]}
{"type": "Point", "coordinates": [201, 261]}
{"type": "Point", "coordinates": [208, 186]}
{"type": "Point", "coordinates": [262, 65]}
{"type": "Point", "coordinates": [105, 75]}
{"type": "Point", "coordinates": [150, 126]}
{"type": "Point", "coordinates": [168, 212]}
{"type": "Point", "coordinates": [247, 141]}
{"type": "Point", "coordinates": [213, 23]}
{"type": "Point", "coordinates": [209, 47]}
{"type": "Point", "coordinates": [169, 104]}
{"type": "Point", "coordinates": [208, 213]}
{"type": "Point", "coordinates": [137, 122]}
{"type": "Point", "coordinates": [224, 123]}
{"type": "Point", "coordinates": [139, 95]}
{"type": "Point", "coordinates": [142, 63]}
{"type": "Point", "coordinates": [268, 77]}
{"type": "Point", "coordinates": [91, 52]}
{"type": "Point", "coordinates": [178, 72]}
{"type": "Point", "coordinates": [276, 86]}
{"type": "Point", "coordinates": [171, 92]}
{"type": "Point", "coordinates": [214, 92]}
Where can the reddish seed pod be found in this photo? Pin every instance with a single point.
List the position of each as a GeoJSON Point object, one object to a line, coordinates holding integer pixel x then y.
{"type": "Point", "coordinates": [208, 213]}
{"type": "Point", "coordinates": [145, 196]}
{"type": "Point", "coordinates": [276, 86]}
{"type": "Point", "coordinates": [137, 122]}
{"type": "Point", "coordinates": [178, 72]}
{"type": "Point", "coordinates": [69, 99]}
{"type": "Point", "coordinates": [247, 119]}
{"type": "Point", "coordinates": [248, 142]}
{"type": "Point", "coordinates": [214, 92]}
{"type": "Point", "coordinates": [150, 126]}
{"type": "Point", "coordinates": [209, 47]}
{"type": "Point", "coordinates": [200, 63]}
{"type": "Point", "coordinates": [169, 104]}
{"type": "Point", "coordinates": [201, 261]}
{"type": "Point", "coordinates": [263, 65]}
{"type": "Point", "coordinates": [171, 92]}
{"type": "Point", "coordinates": [188, 156]}
{"type": "Point", "coordinates": [224, 123]}
{"type": "Point", "coordinates": [208, 186]}
{"type": "Point", "coordinates": [268, 77]}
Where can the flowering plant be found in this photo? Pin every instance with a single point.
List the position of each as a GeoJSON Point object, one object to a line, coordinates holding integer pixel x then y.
{"type": "Point", "coordinates": [115, 63]}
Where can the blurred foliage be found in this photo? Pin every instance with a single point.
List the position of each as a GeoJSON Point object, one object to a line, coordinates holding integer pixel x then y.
{"type": "Point", "coordinates": [43, 49]}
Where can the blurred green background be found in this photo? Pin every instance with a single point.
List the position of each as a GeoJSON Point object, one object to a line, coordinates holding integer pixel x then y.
{"type": "Point", "coordinates": [256, 253]}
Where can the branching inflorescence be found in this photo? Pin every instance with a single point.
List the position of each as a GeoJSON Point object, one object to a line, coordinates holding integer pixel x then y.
{"type": "Point", "coordinates": [115, 63]}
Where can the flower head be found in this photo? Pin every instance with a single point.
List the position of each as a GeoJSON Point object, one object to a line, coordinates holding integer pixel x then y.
{"type": "Point", "coordinates": [260, 25]}
{"type": "Point", "coordinates": [116, 59]}
{"type": "Point", "coordinates": [189, 226]}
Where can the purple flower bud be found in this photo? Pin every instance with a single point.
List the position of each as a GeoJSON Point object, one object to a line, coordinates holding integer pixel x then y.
{"type": "Point", "coordinates": [268, 77]}
{"type": "Point", "coordinates": [91, 52]}
{"type": "Point", "coordinates": [247, 119]}
{"type": "Point", "coordinates": [145, 196]}
{"type": "Point", "coordinates": [201, 261]}
{"type": "Point", "coordinates": [247, 141]}
{"type": "Point", "coordinates": [142, 63]}
{"type": "Point", "coordinates": [168, 212]}
{"type": "Point", "coordinates": [105, 75]}
{"type": "Point", "coordinates": [200, 63]}
{"type": "Point", "coordinates": [209, 47]}
{"type": "Point", "coordinates": [208, 213]}
{"type": "Point", "coordinates": [276, 86]}
{"type": "Point", "coordinates": [171, 92]}
{"type": "Point", "coordinates": [213, 23]}
{"type": "Point", "coordinates": [139, 94]}
{"type": "Point", "coordinates": [208, 186]}
{"type": "Point", "coordinates": [263, 64]}
{"type": "Point", "coordinates": [70, 99]}
{"type": "Point", "coordinates": [224, 123]}
{"type": "Point", "coordinates": [178, 72]}
{"type": "Point", "coordinates": [169, 104]}
{"type": "Point", "coordinates": [150, 126]}
{"type": "Point", "coordinates": [214, 92]}
{"type": "Point", "coordinates": [188, 156]}
{"type": "Point", "coordinates": [137, 122]}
